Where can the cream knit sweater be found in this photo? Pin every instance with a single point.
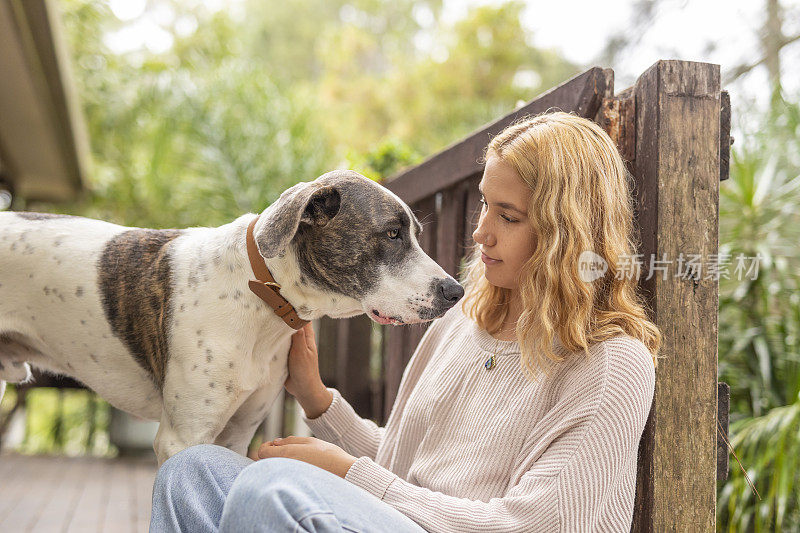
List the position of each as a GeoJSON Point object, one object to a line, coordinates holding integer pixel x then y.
{"type": "Point", "coordinates": [472, 449]}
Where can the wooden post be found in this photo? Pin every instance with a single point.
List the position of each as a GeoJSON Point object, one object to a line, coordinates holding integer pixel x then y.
{"type": "Point", "coordinates": [327, 333]}
{"type": "Point", "coordinates": [677, 171]}
{"type": "Point", "coordinates": [396, 356]}
{"type": "Point", "coordinates": [352, 363]}
{"type": "Point", "coordinates": [450, 226]}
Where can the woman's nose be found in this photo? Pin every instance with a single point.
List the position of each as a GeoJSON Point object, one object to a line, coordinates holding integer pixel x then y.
{"type": "Point", "coordinates": [481, 235]}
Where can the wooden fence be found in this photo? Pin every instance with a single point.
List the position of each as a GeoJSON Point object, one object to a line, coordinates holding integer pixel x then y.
{"type": "Point", "coordinates": [672, 128]}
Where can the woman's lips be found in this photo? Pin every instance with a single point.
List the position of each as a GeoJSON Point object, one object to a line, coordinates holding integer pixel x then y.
{"type": "Point", "coordinates": [488, 260]}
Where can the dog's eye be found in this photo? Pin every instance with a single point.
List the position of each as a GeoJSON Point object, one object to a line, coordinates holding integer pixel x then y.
{"type": "Point", "coordinates": [393, 233]}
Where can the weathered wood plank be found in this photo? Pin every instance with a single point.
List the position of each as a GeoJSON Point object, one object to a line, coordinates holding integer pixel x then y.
{"type": "Point", "coordinates": [450, 228]}
{"type": "Point", "coordinates": [90, 508]}
{"type": "Point", "coordinates": [352, 359]}
{"type": "Point", "coordinates": [28, 495]}
{"type": "Point", "coordinates": [725, 139]}
{"type": "Point", "coordinates": [581, 94]}
{"type": "Point", "coordinates": [9, 471]}
{"type": "Point", "coordinates": [723, 410]}
{"type": "Point", "coordinates": [327, 346]}
{"type": "Point", "coordinates": [120, 515]}
{"type": "Point", "coordinates": [606, 93]}
{"type": "Point", "coordinates": [427, 214]}
{"type": "Point", "coordinates": [394, 364]}
{"type": "Point", "coordinates": [472, 210]}
{"type": "Point", "coordinates": [677, 192]}
{"type": "Point", "coordinates": [46, 493]}
{"type": "Point", "coordinates": [143, 479]}
{"type": "Point", "coordinates": [619, 121]}
{"type": "Point", "coordinates": [377, 379]}
{"type": "Point", "coordinates": [72, 521]}
{"type": "Point", "coordinates": [55, 508]}
{"type": "Point", "coordinates": [273, 426]}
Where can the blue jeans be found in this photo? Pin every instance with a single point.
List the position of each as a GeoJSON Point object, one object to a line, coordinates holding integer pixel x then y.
{"type": "Point", "coordinates": [210, 488]}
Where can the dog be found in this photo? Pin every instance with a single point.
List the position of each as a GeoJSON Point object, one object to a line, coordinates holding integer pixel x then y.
{"type": "Point", "coordinates": [162, 324]}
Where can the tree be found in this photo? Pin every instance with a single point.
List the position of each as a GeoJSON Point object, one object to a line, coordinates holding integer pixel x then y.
{"type": "Point", "coordinates": [476, 69]}
{"type": "Point", "coordinates": [190, 136]}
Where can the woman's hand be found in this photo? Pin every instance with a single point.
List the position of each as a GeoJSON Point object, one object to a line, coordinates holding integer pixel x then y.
{"type": "Point", "coordinates": [304, 382]}
{"type": "Point", "coordinates": [309, 450]}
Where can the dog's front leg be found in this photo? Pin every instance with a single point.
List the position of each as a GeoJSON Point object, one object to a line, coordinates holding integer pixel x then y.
{"type": "Point", "coordinates": [194, 412]}
{"type": "Point", "coordinates": [174, 436]}
{"type": "Point", "coordinates": [239, 430]}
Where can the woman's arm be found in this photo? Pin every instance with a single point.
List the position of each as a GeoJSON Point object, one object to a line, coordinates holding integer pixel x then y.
{"type": "Point", "coordinates": [337, 422]}
{"type": "Point", "coordinates": [316, 401]}
{"type": "Point", "coordinates": [327, 414]}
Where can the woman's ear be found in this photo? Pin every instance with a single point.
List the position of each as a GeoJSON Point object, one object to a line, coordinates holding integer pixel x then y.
{"type": "Point", "coordinates": [304, 203]}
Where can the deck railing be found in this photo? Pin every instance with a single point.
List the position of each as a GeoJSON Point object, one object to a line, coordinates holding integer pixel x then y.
{"type": "Point", "coordinates": [672, 128]}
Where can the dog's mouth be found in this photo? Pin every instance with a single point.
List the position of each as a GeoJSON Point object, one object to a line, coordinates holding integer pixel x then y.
{"type": "Point", "coordinates": [381, 319]}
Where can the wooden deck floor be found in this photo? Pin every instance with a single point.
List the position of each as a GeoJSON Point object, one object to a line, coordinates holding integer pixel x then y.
{"type": "Point", "coordinates": [59, 494]}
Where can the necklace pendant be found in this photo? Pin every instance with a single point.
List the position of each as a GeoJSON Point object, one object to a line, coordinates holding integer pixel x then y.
{"type": "Point", "coordinates": [489, 364]}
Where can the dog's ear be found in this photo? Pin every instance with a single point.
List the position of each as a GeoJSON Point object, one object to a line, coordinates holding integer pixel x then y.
{"type": "Point", "coordinates": [321, 207]}
{"type": "Point", "coordinates": [304, 203]}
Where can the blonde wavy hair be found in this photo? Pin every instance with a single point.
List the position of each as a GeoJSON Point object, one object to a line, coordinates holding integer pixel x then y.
{"type": "Point", "coordinates": [581, 199]}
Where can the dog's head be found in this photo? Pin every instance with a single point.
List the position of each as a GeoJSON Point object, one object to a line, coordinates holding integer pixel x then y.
{"type": "Point", "coordinates": [356, 239]}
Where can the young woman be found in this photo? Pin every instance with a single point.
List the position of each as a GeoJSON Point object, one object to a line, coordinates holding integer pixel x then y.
{"type": "Point", "coordinates": [520, 410]}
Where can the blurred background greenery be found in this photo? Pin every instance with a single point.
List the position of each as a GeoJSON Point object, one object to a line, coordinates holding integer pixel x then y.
{"type": "Point", "coordinates": [236, 110]}
{"type": "Point", "coordinates": [241, 103]}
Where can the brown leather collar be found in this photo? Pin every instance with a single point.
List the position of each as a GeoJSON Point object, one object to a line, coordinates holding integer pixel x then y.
{"type": "Point", "coordinates": [265, 287]}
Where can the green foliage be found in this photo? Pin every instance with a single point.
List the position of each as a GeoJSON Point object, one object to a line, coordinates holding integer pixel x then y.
{"type": "Point", "coordinates": [189, 137]}
{"type": "Point", "coordinates": [293, 40]}
{"type": "Point", "coordinates": [769, 447]}
{"type": "Point", "coordinates": [758, 215]}
{"type": "Point", "coordinates": [209, 163]}
{"type": "Point", "coordinates": [70, 422]}
{"type": "Point", "coordinates": [389, 158]}
{"type": "Point", "coordinates": [760, 327]}
{"type": "Point", "coordinates": [245, 105]}
{"type": "Point", "coordinates": [478, 69]}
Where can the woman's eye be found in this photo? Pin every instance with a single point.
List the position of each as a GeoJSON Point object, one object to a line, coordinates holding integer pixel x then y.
{"type": "Point", "coordinates": [393, 233]}
{"type": "Point", "coordinates": [504, 217]}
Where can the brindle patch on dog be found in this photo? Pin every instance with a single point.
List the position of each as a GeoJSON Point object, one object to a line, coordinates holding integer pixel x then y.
{"type": "Point", "coordinates": [135, 280]}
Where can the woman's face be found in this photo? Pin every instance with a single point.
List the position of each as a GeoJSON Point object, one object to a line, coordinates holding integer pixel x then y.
{"type": "Point", "coordinates": [503, 233]}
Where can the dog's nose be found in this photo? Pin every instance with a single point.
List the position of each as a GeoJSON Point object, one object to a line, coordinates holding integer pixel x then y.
{"type": "Point", "coordinates": [450, 290]}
